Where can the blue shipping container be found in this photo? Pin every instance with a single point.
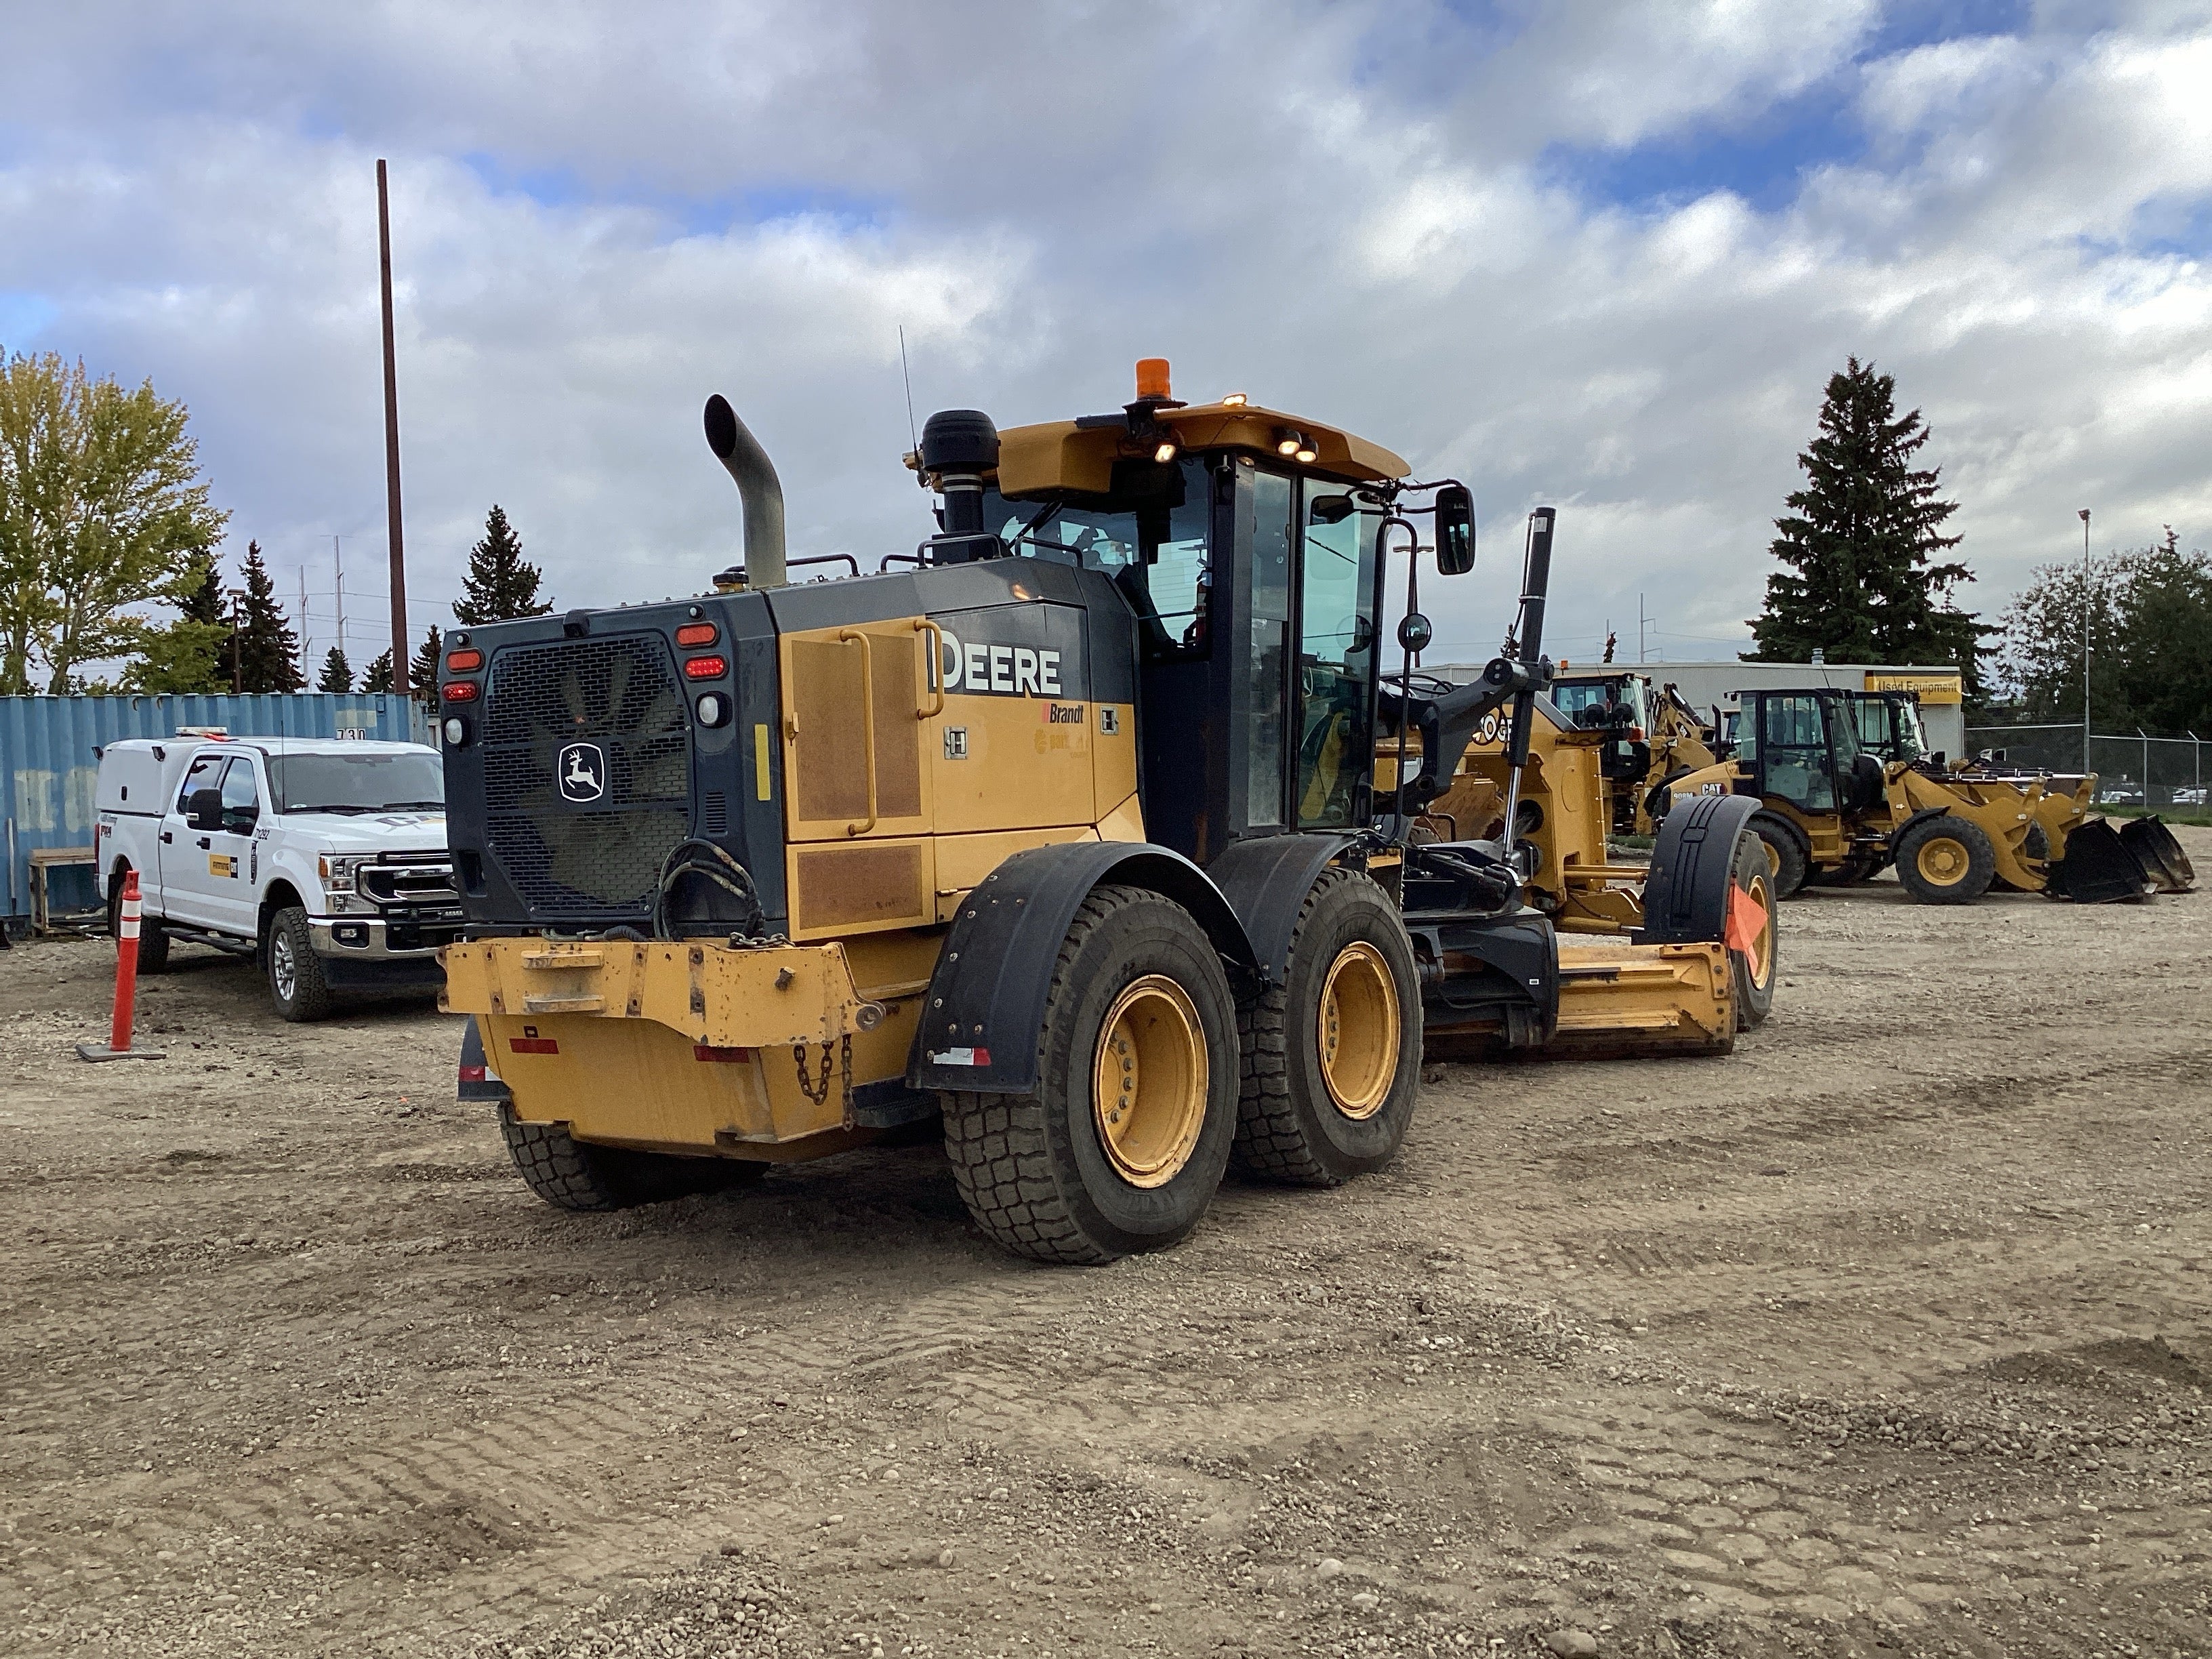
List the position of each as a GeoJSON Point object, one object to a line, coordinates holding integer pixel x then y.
{"type": "Point", "coordinates": [50, 760]}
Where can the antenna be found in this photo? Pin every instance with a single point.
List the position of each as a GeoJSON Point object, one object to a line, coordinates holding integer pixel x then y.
{"type": "Point", "coordinates": [914, 438]}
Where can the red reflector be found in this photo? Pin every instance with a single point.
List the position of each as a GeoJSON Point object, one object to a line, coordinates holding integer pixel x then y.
{"type": "Point", "coordinates": [461, 661]}
{"type": "Point", "coordinates": [982, 1056]}
{"type": "Point", "coordinates": [533, 1045]}
{"type": "Point", "coordinates": [473, 1074]}
{"type": "Point", "coordinates": [696, 634]}
{"type": "Point", "coordinates": [462, 691]}
{"type": "Point", "coordinates": [725, 1056]}
{"type": "Point", "coordinates": [705, 668]}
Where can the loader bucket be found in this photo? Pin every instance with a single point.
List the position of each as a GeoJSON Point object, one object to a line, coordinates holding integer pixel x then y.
{"type": "Point", "coordinates": [2098, 868]}
{"type": "Point", "coordinates": [2159, 853]}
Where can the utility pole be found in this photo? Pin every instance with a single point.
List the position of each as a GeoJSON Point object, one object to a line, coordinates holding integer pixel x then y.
{"type": "Point", "coordinates": [2088, 601]}
{"type": "Point", "coordinates": [392, 443]}
{"type": "Point", "coordinates": [237, 640]}
{"type": "Point", "coordinates": [337, 576]}
{"type": "Point", "coordinates": [306, 655]}
{"type": "Point", "coordinates": [1639, 628]}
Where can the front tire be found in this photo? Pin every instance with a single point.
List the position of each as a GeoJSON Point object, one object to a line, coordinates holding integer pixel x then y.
{"type": "Point", "coordinates": [1332, 1057]}
{"type": "Point", "coordinates": [1786, 857]}
{"type": "Point", "coordinates": [297, 986]}
{"type": "Point", "coordinates": [1754, 944]}
{"type": "Point", "coordinates": [1123, 1144]}
{"type": "Point", "coordinates": [1946, 860]}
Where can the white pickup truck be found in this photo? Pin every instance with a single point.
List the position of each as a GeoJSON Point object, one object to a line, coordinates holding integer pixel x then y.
{"type": "Point", "coordinates": [324, 859]}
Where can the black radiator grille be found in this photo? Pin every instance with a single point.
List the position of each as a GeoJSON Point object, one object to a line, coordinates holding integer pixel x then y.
{"type": "Point", "coordinates": [572, 858]}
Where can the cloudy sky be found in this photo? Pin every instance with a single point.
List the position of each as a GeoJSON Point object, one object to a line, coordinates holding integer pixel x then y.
{"type": "Point", "coordinates": [1602, 255]}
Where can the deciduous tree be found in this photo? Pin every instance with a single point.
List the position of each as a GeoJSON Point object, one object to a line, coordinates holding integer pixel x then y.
{"type": "Point", "coordinates": [101, 509]}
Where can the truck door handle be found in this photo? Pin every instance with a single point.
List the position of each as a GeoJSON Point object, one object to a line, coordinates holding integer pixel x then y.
{"type": "Point", "coordinates": [166, 836]}
{"type": "Point", "coordinates": [205, 841]}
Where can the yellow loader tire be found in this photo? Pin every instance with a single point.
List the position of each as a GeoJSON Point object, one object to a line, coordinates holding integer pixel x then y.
{"type": "Point", "coordinates": [1752, 971]}
{"type": "Point", "coordinates": [1332, 1057]}
{"type": "Point", "coordinates": [1786, 857]}
{"type": "Point", "coordinates": [573, 1175]}
{"type": "Point", "coordinates": [1946, 860]}
{"type": "Point", "coordinates": [1123, 1144]}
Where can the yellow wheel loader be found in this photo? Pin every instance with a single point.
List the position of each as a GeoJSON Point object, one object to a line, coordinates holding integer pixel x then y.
{"type": "Point", "coordinates": [1064, 841]}
{"type": "Point", "coordinates": [1834, 810]}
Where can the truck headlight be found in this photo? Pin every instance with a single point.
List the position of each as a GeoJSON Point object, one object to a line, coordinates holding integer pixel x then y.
{"type": "Point", "coordinates": [339, 870]}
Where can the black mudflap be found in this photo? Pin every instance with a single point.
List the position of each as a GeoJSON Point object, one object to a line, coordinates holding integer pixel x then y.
{"type": "Point", "coordinates": [2159, 853]}
{"type": "Point", "coordinates": [2099, 868]}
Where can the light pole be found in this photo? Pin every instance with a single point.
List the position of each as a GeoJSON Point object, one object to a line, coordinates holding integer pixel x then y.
{"type": "Point", "coordinates": [2089, 602]}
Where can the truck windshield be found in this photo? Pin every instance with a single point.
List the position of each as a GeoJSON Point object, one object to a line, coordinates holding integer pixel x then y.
{"type": "Point", "coordinates": [358, 783]}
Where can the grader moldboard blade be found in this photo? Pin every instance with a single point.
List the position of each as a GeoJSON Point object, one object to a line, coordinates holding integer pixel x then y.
{"type": "Point", "coordinates": [2158, 852]}
{"type": "Point", "coordinates": [2099, 868]}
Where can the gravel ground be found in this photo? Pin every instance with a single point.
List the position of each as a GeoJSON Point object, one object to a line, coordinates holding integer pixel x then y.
{"type": "Point", "coordinates": [1886, 1335]}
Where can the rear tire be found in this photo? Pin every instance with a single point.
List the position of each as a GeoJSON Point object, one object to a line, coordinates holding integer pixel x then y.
{"type": "Point", "coordinates": [153, 937]}
{"type": "Point", "coordinates": [572, 1174]}
{"type": "Point", "coordinates": [296, 984]}
{"type": "Point", "coordinates": [1752, 970]}
{"type": "Point", "coordinates": [1946, 860]}
{"type": "Point", "coordinates": [1139, 1005]}
{"type": "Point", "coordinates": [1785, 853]}
{"type": "Point", "coordinates": [1314, 1114]}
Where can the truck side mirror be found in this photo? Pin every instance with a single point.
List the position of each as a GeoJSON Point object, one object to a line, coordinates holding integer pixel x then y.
{"type": "Point", "coordinates": [204, 809]}
{"type": "Point", "coordinates": [1455, 530]}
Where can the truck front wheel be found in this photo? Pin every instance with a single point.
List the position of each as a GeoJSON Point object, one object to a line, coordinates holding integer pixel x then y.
{"type": "Point", "coordinates": [296, 983]}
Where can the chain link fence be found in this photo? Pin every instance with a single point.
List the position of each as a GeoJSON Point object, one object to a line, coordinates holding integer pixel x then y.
{"type": "Point", "coordinates": [2132, 770]}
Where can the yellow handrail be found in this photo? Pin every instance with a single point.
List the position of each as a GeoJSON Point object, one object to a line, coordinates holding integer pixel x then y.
{"type": "Point", "coordinates": [854, 636]}
{"type": "Point", "coordinates": [932, 678]}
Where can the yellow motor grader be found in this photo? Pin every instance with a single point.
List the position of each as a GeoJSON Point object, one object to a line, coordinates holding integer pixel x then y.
{"type": "Point", "coordinates": [1835, 809]}
{"type": "Point", "coordinates": [1067, 841]}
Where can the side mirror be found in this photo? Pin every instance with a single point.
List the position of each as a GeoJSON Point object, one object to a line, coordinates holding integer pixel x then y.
{"type": "Point", "coordinates": [1455, 530]}
{"type": "Point", "coordinates": [204, 809]}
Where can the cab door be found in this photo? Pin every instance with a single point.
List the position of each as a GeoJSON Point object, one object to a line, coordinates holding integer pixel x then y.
{"type": "Point", "coordinates": [1795, 761]}
{"type": "Point", "coordinates": [1335, 665]}
{"type": "Point", "coordinates": [189, 890]}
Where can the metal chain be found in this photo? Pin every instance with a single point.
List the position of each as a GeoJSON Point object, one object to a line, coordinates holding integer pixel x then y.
{"type": "Point", "coordinates": [816, 1092]}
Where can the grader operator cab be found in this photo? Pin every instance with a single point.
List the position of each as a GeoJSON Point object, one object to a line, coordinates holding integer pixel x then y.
{"type": "Point", "coordinates": [1068, 838]}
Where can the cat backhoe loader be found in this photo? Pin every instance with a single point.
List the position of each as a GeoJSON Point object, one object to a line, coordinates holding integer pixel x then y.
{"type": "Point", "coordinates": [1653, 736]}
{"type": "Point", "coordinates": [1067, 841]}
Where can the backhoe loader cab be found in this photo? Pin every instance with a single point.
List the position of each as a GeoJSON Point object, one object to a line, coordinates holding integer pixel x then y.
{"type": "Point", "coordinates": [1066, 840]}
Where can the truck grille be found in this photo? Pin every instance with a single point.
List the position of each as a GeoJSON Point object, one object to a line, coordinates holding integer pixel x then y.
{"type": "Point", "coordinates": [571, 858]}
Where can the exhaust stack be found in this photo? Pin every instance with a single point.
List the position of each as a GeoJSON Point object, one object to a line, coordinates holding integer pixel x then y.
{"type": "Point", "coordinates": [757, 486]}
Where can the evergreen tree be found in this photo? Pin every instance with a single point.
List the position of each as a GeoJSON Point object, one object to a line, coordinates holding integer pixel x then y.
{"type": "Point", "coordinates": [1862, 537]}
{"type": "Point", "coordinates": [377, 677]}
{"type": "Point", "coordinates": [499, 586]}
{"type": "Point", "coordinates": [337, 672]}
{"type": "Point", "coordinates": [423, 671]}
{"type": "Point", "coordinates": [188, 656]}
{"type": "Point", "coordinates": [268, 651]}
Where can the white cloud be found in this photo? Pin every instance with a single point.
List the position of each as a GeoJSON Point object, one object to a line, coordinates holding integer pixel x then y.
{"type": "Point", "coordinates": [1356, 211]}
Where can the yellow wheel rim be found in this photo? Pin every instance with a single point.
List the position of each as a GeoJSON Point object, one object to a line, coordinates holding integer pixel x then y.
{"type": "Point", "coordinates": [1942, 861]}
{"type": "Point", "coordinates": [1357, 1030]}
{"type": "Point", "coordinates": [1773, 856]}
{"type": "Point", "coordinates": [1148, 1087]}
{"type": "Point", "coordinates": [1762, 949]}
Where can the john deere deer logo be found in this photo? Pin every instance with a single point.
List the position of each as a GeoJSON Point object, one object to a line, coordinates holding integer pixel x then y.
{"type": "Point", "coordinates": [582, 772]}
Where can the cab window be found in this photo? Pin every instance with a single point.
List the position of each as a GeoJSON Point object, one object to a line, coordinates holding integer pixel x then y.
{"type": "Point", "coordinates": [1336, 653]}
{"type": "Point", "coordinates": [202, 774]}
{"type": "Point", "coordinates": [1153, 534]}
{"type": "Point", "coordinates": [241, 798]}
{"type": "Point", "coordinates": [1792, 746]}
